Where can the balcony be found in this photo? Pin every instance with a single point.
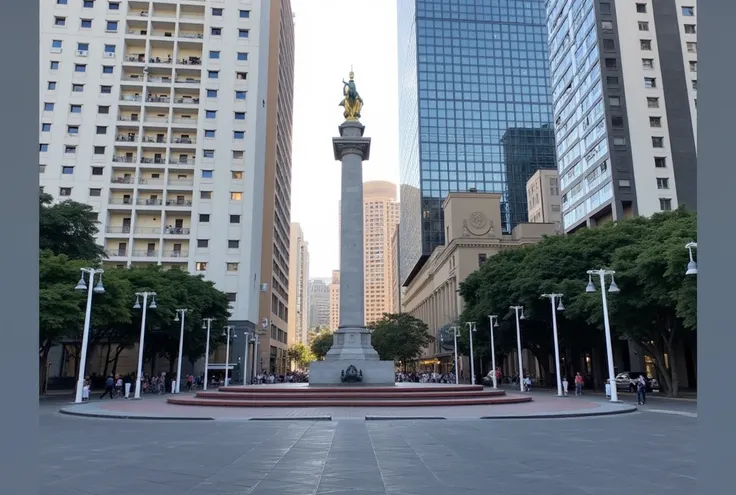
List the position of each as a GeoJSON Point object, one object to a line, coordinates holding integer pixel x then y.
{"type": "Point", "coordinates": [152, 119]}
{"type": "Point", "coordinates": [149, 202]}
{"type": "Point", "coordinates": [158, 99]}
{"type": "Point", "coordinates": [135, 58]}
{"type": "Point", "coordinates": [124, 159]}
{"type": "Point", "coordinates": [176, 254]}
{"type": "Point", "coordinates": [187, 101]}
{"type": "Point", "coordinates": [125, 139]}
{"type": "Point", "coordinates": [130, 98]}
{"type": "Point", "coordinates": [150, 182]}
{"type": "Point", "coordinates": [128, 118]}
{"type": "Point", "coordinates": [156, 140]}
{"type": "Point", "coordinates": [122, 180]}
{"type": "Point", "coordinates": [120, 201]}
{"type": "Point", "coordinates": [159, 79]}
{"type": "Point", "coordinates": [145, 253]}
{"type": "Point", "coordinates": [118, 229]}
{"type": "Point", "coordinates": [181, 182]}
{"type": "Point", "coordinates": [148, 230]}
{"type": "Point", "coordinates": [178, 202]}
{"type": "Point", "coordinates": [188, 80]}
{"type": "Point", "coordinates": [160, 60]}
{"type": "Point", "coordinates": [191, 36]}
{"type": "Point", "coordinates": [190, 61]}
{"type": "Point", "coordinates": [182, 161]}
{"type": "Point", "coordinates": [169, 230]}
{"type": "Point", "coordinates": [183, 140]}
{"type": "Point", "coordinates": [116, 253]}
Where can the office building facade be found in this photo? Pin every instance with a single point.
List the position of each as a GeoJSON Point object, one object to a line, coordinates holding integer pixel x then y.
{"type": "Point", "coordinates": [469, 71]}
{"type": "Point", "coordinates": [335, 300]}
{"type": "Point", "coordinates": [624, 81]}
{"type": "Point", "coordinates": [543, 198]}
{"type": "Point", "coordinates": [298, 286]}
{"type": "Point", "coordinates": [319, 303]}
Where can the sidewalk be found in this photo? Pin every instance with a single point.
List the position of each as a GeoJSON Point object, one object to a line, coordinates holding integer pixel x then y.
{"type": "Point", "coordinates": [687, 396]}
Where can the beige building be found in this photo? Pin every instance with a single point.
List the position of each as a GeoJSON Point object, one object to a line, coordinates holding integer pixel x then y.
{"type": "Point", "coordinates": [380, 218]}
{"type": "Point", "coordinates": [543, 197]}
{"type": "Point", "coordinates": [335, 300]}
{"type": "Point", "coordinates": [395, 281]}
{"type": "Point", "coordinates": [298, 286]}
{"type": "Point", "coordinates": [472, 235]}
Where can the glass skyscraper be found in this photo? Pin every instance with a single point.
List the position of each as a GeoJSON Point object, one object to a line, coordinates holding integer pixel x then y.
{"type": "Point", "coordinates": [473, 75]}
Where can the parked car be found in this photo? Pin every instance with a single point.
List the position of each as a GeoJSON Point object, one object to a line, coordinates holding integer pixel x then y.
{"type": "Point", "coordinates": [626, 381]}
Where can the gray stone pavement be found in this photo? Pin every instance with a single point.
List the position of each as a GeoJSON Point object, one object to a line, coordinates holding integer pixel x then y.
{"type": "Point", "coordinates": [638, 453]}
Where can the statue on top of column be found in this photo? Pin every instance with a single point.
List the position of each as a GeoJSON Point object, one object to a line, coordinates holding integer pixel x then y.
{"type": "Point", "coordinates": [351, 102]}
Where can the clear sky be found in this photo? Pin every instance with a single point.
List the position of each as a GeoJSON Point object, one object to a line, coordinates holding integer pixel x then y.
{"type": "Point", "coordinates": [332, 35]}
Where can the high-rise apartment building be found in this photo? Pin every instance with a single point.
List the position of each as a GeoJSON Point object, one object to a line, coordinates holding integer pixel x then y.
{"type": "Point", "coordinates": [298, 286]}
{"type": "Point", "coordinates": [335, 300]}
{"type": "Point", "coordinates": [395, 291]}
{"type": "Point", "coordinates": [380, 217]}
{"type": "Point", "coordinates": [624, 80]}
{"type": "Point", "coordinates": [274, 302]}
{"type": "Point", "coordinates": [469, 71]}
{"type": "Point", "coordinates": [543, 197]}
{"type": "Point", "coordinates": [155, 113]}
{"type": "Point", "coordinates": [319, 303]}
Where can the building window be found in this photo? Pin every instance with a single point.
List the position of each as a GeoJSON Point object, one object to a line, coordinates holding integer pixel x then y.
{"type": "Point", "coordinates": [101, 129]}
{"type": "Point", "coordinates": [77, 88]}
{"type": "Point", "coordinates": [692, 47]}
{"type": "Point", "coordinates": [65, 191]}
{"type": "Point", "coordinates": [693, 66]}
{"type": "Point", "coordinates": [609, 45]}
{"type": "Point", "coordinates": [624, 183]}
{"type": "Point", "coordinates": [204, 217]}
{"type": "Point", "coordinates": [112, 26]}
{"type": "Point", "coordinates": [105, 90]}
{"type": "Point", "coordinates": [482, 257]}
{"type": "Point", "coordinates": [660, 162]}
{"type": "Point", "coordinates": [236, 196]}
{"type": "Point", "coordinates": [203, 243]}
{"type": "Point", "coordinates": [97, 170]}
{"type": "Point", "coordinates": [56, 46]}
{"type": "Point", "coordinates": [614, 101]}
{"type": "Point", "coordinates": [200, 266]}
{"type": "Point", "coordinates": [82, 48]}
{"type": "Point", "coordinates": [605, 8]}
{"type": "Point", "coordinates": [641, 8]}
{"type": "Point", "coordinates": [650, 82]}
{"type": "Point", "coordinates": [86, 23]}
{"type": "Point", "coordinates": [242, 56]}
{"type": "Point", "coordinates": [245, 14]}
{"type": "Point", "coordinates": [88, 4]}
{"type": "Point", "coordinates": [655, 121]}
{"type": "Point", "coordinates": [647, 63]}
{"type": "Point", "coordinates": [99, 150]}
{"type": "Point", "coordinates": [209, 133]}
{"type": "Point", "coordinates": [208, 153]}
{"type": "Point", "coordinates": [665, 204]}
{"type": "Point", "coordinates": [663, 183]}
{"type": "Point", "coordinates": [233, 244]}
{"type": "Point", "coordinates": [214, 55]}
{"type": "Point", "coordinates": [45, 127]}
{"type": "Point", "coordinates": [80, 68]}
{"type": "Point", "coordinates": [694, 84]}
{"type": "Point", "coordinates": [208, 174]}
{"type": "Point", "coordinates": [210, 114]}
{"type": "Point", "coordinates": [95, 192]}
{"type": "Point", "coordinates": [643, 26]}
{"type": "Point", "coordinates": [205, 194]}
{"type": "Point", "coordinates": [612, 80]}
{"type": "Point", "coordinates": [619, 141]}
{"type": "Point", "coordinates": [657, 142]}
{"type": "Point", "coordinates": [43, 148]}
{"type": "Point", "coordinates": [611, 63]}
{"type": "Point", "coordinates": [690, 28]}
{"type": "Point", "coordinates": [243, 33]}
{"type": "Point", "coordinates": [236, 175]}
{"type": "Point", "coordinates": [213, 74]}
{"type": "Point", "coordinates": [54, 65]}
{"type": "Point", "coordinates": [113, 5]}
{"type": "Point", "coordinates": [42, 168]}
{"type": "Point", "coordinates": [239, 115]}
{"type": "Point", "coordinates": [217, 12]}
{"type": "Point", "coordinates": [234, 218]}
{"type": "Point", "coordinates": [70, 150]}
{"type": "Point", "coordinates": [67, 170]}
{"type": "Point", "coordinates": [231, 267]}
{"type": "Point", "coordinates": [211, 93]}
{"type": "Point", "coordinates": [61, 2]}
{"type": "Point", "coordinates": [215, 31]}
{"type": "Point", "coordinates": [239, 135]}
{"type": "Point", "coordinates": [645, 44]}
{"type": "Point", "coordinates": [103, 109]}
{"type": "Point", "coordinates": [617, 121]}
{"type": "Point", "coordinates": [109, 49]}
{"type": "Point", "coordinates": [60, 21]}
{"type": "Point", "coordinates": [688, 11]}
{"type": "Point", "coordinates": [240, 95]}
{"type": "Point", "coordinates": [75, 108]}
{"type": "Point", "coordinates": [237, 155]}
{"type": "Point", "coordinates": [51, 86]}
{"type": "Point", "coordinates": [232, 296]}
{"type": "Point", "coordinates": [108, 69]}
{"type": "Point", "coordinates": [653, 102]}
{"type": "Point", "coordinates": [607, 25]}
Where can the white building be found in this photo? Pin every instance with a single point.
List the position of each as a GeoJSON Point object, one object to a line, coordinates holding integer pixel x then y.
{"type": "Point", "coordinates": [298, 286]}
{"type": "Point", "coordinates": [155, 114]}
{"type": "Point", "coordinates": [624, 82]}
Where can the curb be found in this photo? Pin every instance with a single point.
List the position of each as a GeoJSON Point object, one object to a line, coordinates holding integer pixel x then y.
{"type": "Point", "coordinates": [295, 418]}
{"type": "Point", "coordinates": [402, 418]}
{"type": "Point", "coordinates": [125, 416]}
{"type": "Point", "coordinates": [569, 415]}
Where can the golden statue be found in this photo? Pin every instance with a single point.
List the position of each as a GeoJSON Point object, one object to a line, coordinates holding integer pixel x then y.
{"type": "Point", "coordinates": [352, 102]}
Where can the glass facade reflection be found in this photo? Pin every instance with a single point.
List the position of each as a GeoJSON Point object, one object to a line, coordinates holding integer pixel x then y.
{"type": "Point", "coordinates": [470, 72]}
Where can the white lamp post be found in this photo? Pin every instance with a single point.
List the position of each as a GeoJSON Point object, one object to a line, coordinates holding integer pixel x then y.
{"type": "Point", "coordinates": [692, 266]}
{"type": "Point", "coordinates": [141, 341]}
{"type": "Point", "coordinates": [208, 326]}
{"type": "Point", "coordinates": [91, 288]}
{"type": "Point", "coordinates": [559, 307]}
{"type": "Point", "coordinates": [493, 321]}
{"type": "Point", "coordinates": [183, 313]}
{"type": "Point", "coordinates": [471, 329]}
{"type": "Point", "coordinates": [245, 357]}
{"type": "Point", "coordinates": [518, 309]}
{"type": "Point", "coordinates": [227, 351]}
{"type": "Point", "coordinates": [613, 288]}
{"type": "Point", "coordinates": [455, 331]}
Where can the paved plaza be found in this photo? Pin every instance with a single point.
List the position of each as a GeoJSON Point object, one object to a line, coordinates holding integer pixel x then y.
{"type": "Point", "coordinates": [649, 452]}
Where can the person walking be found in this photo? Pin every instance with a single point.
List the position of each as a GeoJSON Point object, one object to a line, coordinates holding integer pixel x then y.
{"type": "Point", "coordinates": [641, 391]}
{"type": "Point", "coordinates": [109, 387]}
{"type": "Point", "coordinates": [608, 388]}
{"type": "Point", "coordinates": [564, 386]}
{"type": "Point", "coordinates": [578, 384]}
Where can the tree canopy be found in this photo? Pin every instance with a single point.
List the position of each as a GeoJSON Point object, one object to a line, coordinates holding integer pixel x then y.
{"type": "Point", "coordinates": [300, 355]}
{"type": "Point", "coordinates": [321, 344]}
{"type": "Point", "coordinates": [400, 337]}
{"type": "Point", "coordinates": [655, 307]}
{"type": "Point", "coordinates": [68, 228]}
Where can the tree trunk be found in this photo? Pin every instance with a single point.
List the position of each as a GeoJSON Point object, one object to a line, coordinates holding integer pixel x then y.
{"type": "Point", "coordinates": [153, 365]}
{"type": "Point", "coordinates": [674, 386]}
{"type": "Point", "coordinates": [43, 368]}
{"type": "Point", "coordinates": [107, 358]}
{"type": "Point", "coordinates": [118, 350]}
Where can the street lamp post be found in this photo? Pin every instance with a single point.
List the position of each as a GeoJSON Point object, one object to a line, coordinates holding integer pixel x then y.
{"type": "Point", "coordinates": [455, 331]}
{"type": "Point", "coordinates": [246, 334]}
{"type": "Point", "coordinates": [141, 341]}
{"type": "Point", "coordinates": [208, 326]}
{"type": "Point", "coordinates": [90, 288]}
{"type": "Point", "coordinates": [183, 313]}
{"type": "Point", "coordinates": [559, 307]}
{"type": "Point", "coordinates": [692, 266]}
{"type": "Point", "coordinates": [227, 351]}
{"type": "Point", "coordinates": [493, 323]}
{"type": "Point", "coordinates": [613, 288]}
{"type": "Point", "coordinates": [518, 343]}
{"type": "Point", "coordinates": [471, 329]}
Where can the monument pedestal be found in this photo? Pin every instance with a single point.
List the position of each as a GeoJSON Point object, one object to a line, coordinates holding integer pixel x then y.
{"type": "Point", "coordinates": [351, 360]}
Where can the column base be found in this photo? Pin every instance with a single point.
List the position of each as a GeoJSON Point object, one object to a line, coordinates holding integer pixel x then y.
{"type": "Point", "coordinates": [329, 373]}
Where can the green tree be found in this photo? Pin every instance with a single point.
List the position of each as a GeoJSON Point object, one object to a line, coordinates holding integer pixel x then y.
{"type": "Point", "coordinates": [400, 337]}
{"type": "Point", "coordinates": [68, 228]}
{"type": "Point", "coordinates": [321, 344]}
{"type": "Point", "coordinates": [300, 355]}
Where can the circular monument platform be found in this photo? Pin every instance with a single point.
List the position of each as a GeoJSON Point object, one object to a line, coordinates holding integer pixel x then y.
{"type": "Point", "coordinates": [302, 395]}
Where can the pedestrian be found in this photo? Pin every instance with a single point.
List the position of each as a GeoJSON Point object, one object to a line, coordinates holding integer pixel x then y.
{"type": "Point", "coordinates": [190, 382]}
{"type": "Point", "coordinates": [578, 384]}
{"type": "Point", "coordinates": [564, 386]}
{"type": "Point", "coordinates": [85, 390]}
{"type": "Point", "coordinates": [119, 386]}
{"type": "Point", "coordinates": [608, 388]}
{"type": "Point", "coordinates": [641, 391]}
{"type": "Point", "coordinates": [109, 387]}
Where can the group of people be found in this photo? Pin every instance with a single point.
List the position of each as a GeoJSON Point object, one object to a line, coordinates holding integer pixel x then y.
{"type": "Point", "coordinates": [426, 377]}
